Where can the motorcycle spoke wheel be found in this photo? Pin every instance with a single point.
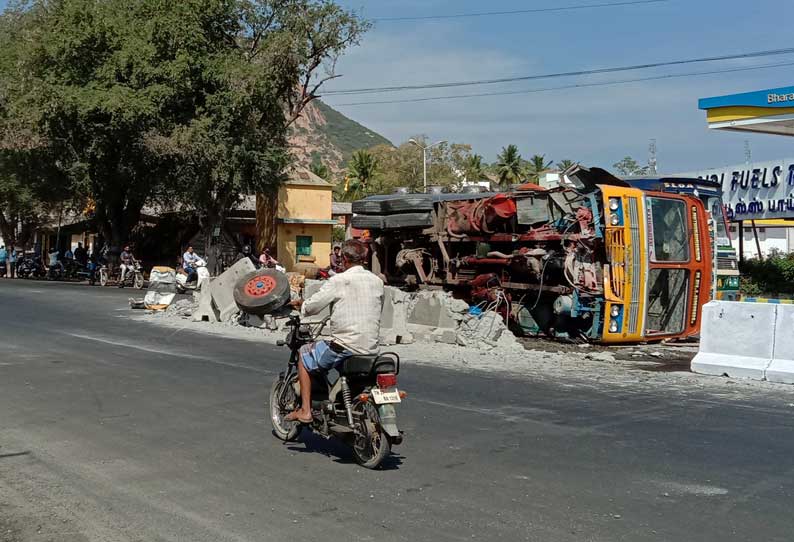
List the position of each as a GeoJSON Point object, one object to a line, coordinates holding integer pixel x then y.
{"type": "Point", "coordinates": [138, 281]}
{"type": "Point", "coordinates": [371, 445]}
{"type": "Point", "coordinates": [279, 407]}
{"type": "Point", "coordinates": [103, 278]}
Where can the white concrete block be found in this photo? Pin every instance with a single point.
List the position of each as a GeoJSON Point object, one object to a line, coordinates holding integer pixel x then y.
{"type": "Point", "coordinates": [782, 367]}
{"type": "Point", "coordinates": [223, 287]}
{"type": "Point", "coordinates": [736, 339]}
{"type": "Point", "coordinates": [206, 310]}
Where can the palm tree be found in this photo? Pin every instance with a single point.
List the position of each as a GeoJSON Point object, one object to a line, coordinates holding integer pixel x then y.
{"type": "Point", "coordinates": [321, 170]}
{"type": "Point", "coordinates": [562, 165]}
{"type": "Point", "coordinates": [473, 169]}
{"type": "Point", "coordinates": [508, 165]}
{"type": "Point", "coordinates": [361, 171]}
{"type": "Point", "coordinates": [537, 165]}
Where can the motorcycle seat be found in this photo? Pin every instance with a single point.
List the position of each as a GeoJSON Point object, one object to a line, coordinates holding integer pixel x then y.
{"type": "Point", "coordinates": [369, 364]}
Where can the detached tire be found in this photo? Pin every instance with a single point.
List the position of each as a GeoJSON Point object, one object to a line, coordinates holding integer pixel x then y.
{"type": "Point", "coordinates": [262, 291]}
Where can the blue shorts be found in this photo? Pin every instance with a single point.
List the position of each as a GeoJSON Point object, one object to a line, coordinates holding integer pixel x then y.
{"type": "Point", "coordinates": [319, 356]}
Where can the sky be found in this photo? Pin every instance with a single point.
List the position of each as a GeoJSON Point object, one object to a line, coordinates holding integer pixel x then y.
{"type": "Point", "coordinates": [595, 126]}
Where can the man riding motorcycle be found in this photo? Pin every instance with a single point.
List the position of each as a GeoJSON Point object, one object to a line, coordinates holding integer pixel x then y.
{"type": "Point", "coordinates": [127, 264]}
{"type": "Point", "coordinates": [356, 298]}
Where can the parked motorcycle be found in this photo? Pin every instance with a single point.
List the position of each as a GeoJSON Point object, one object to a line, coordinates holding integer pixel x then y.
{"type": "Point", "coordinates": [134, 278]}
{"type": "Point", "coordinates": [358, 407]}
{"type": "Point", "coordinates": [31, 267]}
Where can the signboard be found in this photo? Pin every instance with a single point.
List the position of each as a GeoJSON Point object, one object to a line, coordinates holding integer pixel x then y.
{"type": "Point", "coordinates": [757, 190]}
{"type": "Point", "coordinates": [774, 97]}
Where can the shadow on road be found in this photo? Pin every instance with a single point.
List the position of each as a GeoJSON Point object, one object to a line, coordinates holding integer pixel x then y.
{"type": "Point", "coordinates": [332, 448]}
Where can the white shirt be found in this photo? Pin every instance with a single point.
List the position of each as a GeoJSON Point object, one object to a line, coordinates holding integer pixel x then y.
{"type": "Point", "coordinates": [356, 299]}
{"type": "Point", "coordinates": [189, 259]}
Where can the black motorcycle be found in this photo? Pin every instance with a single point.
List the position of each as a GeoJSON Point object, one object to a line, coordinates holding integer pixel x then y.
{"type": "Point", "coordinates": [358, 407]}
{"type": "Point", "coordinates": [30, 267]}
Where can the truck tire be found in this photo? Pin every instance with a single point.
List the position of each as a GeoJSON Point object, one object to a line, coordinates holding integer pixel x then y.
{"type": "Point", "coordinates": [409, 203]}
{"type": "Point", "coordinates": [408, 220]}
{"type": "Point", "coordinates": [368, 222]}
{"type": "Point", "coordinates": [262, 291]}
{"type": "Point", "coordinates": [398, 203]}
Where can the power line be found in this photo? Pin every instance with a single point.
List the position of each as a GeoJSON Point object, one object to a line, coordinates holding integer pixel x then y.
{"type": "Point", "coordinates": [518, 11]}
{"type": "Point", "coordinates": [564, 87]}
{"type": "Point", "coordinates": [375, 90]}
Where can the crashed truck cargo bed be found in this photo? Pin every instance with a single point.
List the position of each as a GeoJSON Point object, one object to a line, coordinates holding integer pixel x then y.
{"type": "Point", "coordinates": [594, 259]}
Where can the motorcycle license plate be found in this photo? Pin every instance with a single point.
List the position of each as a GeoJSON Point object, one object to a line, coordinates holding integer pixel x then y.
{"type": "Point", "coordinates": [383, 397]}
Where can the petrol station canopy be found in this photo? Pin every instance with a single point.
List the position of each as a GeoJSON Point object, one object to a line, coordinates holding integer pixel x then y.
{"type": "Point", "coordinates": [764, 111]}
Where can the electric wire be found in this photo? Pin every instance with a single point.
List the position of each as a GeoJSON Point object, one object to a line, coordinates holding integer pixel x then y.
{"type": "Point", "coordinates": [614, 69]}
{"type": "Point", "coordinates": [517, 11]}
{"type": "Point", "coordinates": [563, 87]}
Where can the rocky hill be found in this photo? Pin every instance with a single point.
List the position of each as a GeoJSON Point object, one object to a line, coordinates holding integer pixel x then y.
{"type": "Point", "coordinates": [325, 135]}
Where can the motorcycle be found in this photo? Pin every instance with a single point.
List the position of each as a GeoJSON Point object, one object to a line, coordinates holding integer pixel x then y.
{"type": "Point", "coordinates": [358, 407]}
{"type": "Point", "coordinates": [185, 282]}
{"type": "Point", "coordinates": [133, 278]}
{"type": "Point", "coordinates": [31, 267]}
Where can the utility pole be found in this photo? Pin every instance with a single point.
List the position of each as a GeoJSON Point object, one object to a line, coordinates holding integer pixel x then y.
{"type": "Point", "coordinates": [652, 157]}
{"type": "Point", "coordinates": [424, 157]}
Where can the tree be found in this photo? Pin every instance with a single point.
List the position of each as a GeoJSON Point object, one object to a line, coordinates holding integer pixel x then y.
{"type": "Point", "coordinates": [508, 166]}
{"type": "Point", "coordinates": [473, 169]}
{"type": "Point", "coordinates": [565, 164]}
{"type": "Point", "coordinates": [629, 167]}
{"type": "Point", "coordinates": [321, 170]}
{"type": "Point", "coordinates": [361, 172]}
{"type": "Point", "coordinates": [537, 165]}
{"type": "Point", "coordinates": [188, 101]}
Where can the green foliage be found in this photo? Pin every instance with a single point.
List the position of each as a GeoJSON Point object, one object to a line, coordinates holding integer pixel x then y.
{"type": "Point", "coordinates": [187, 101]}
{"type": "Point", "coordinates": [321, 170]}
{"type": "Point", "coordinates": [473, 168]}
{"type": "Point", "coordinates": [508, 166]}
{"type": "Point", "coordinates": [361, 172]}
{"type": "Point", "coordinates": [565, 164]}
{"type": "Point", "coordinates": [629, 166]}
{"type": "Point", "coordinates": [537, 165]}
{"type": "Point", "coordinates": [772, 276]}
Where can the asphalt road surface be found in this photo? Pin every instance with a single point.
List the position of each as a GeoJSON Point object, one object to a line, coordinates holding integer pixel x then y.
{"type": "Point", "coordinates": [118, 430]}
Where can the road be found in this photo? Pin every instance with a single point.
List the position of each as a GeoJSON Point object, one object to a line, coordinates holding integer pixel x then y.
{"type": "Point", "coordinates": [112, 429]}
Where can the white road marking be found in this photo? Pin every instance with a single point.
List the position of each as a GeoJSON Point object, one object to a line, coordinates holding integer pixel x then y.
{"type": "Point", "coordinates": [167, 352]}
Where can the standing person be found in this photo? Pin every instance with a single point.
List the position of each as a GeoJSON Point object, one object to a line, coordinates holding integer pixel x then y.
{"type": "Point", "coordinates": [13, 254]}
{"type": "Point", "coordinates": [80, 255]}
{"type": "Point", "coordinates": [356, 300]}
{"type": "Point", "coordinates": [337, 264]}
{"type": "Point", "coordinates": [127, 264]}
{"type": "Point", "coordinates": [3, 259]}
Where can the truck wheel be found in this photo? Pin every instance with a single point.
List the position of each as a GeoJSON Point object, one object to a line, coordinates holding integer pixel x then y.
{"type": "Point", "coordinates": [262, 291]}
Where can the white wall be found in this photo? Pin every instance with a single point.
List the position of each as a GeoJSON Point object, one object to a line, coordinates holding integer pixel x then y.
{"type": "Point", "coordinates": [780, 238]}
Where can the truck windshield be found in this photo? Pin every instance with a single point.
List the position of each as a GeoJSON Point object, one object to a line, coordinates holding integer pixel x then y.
{"type": "Point", "coordinates": [666, 300]}
{"type": "Point", "coordinates": [669, 229]}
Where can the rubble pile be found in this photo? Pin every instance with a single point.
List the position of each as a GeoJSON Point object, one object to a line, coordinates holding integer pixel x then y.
{"type": "Point", "coordinates": [417, 317]}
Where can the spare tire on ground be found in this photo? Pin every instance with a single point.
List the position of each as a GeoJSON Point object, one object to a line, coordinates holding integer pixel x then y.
{"type": "Point", "coordinates": [262, 291]}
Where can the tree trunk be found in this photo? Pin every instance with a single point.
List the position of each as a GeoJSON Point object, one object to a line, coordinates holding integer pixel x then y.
{"type": "Point", "coordinates": [8, 228]}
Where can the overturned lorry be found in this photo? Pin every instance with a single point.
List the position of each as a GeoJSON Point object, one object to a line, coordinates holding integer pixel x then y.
{"type": "Point", "coordinates": [594, 259]}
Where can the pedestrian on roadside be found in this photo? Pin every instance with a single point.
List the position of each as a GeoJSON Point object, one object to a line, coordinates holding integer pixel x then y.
{"type": "Point", "coordinates": [3, 260]}
{"type": "Point", "coordinates": [13, 254]}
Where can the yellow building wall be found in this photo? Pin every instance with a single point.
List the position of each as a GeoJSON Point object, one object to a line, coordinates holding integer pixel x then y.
{"type": "Point", "coordinates": [321, 235]}
{"type": "Point", "coordinates": [305, 202]}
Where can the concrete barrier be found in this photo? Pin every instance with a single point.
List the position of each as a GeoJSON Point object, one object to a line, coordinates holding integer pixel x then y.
{"type": "Point", "coordinates": [736, 339]}
{"type": "Point", "coordinates": [782, 367]}
{"type": "Point", "coordinates": [206, 310]}
{"type": "Point", "coordinates": [223, 288]}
